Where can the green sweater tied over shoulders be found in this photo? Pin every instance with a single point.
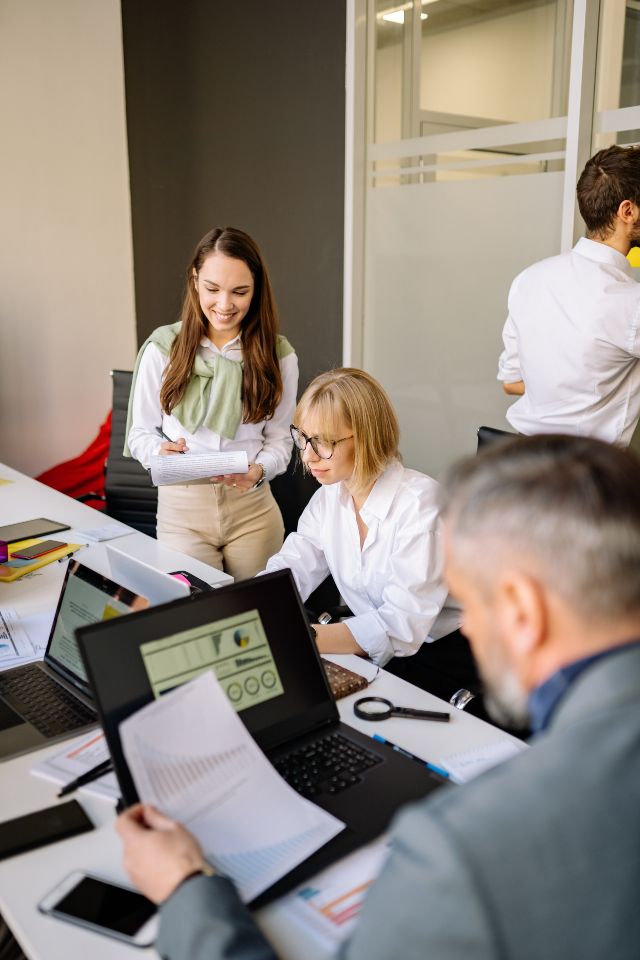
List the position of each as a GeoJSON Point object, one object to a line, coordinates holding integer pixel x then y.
{"type": "Point", "coordinates": [218, 376]}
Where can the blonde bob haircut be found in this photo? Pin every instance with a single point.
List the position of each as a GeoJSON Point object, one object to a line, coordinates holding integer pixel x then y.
{"type": "Point", "coordinates": [350, 398]}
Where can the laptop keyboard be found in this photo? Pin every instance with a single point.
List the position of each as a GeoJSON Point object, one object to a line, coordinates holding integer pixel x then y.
{"type": "Point", "coordinates": [44, 703]}
{"type": "Point", "coordinates": [330, 764]}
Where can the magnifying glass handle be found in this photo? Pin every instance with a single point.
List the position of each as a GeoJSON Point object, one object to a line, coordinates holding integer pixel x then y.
{"type": "Point", "coordinates": [422, 714]}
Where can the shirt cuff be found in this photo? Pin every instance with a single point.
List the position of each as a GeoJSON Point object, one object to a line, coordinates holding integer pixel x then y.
{"type": "Point", "coordinates": [268, 463]}
{"type": "Point", "coordinates": [509, 374]}
{"type": "Point", "coordinates": [370, 635]}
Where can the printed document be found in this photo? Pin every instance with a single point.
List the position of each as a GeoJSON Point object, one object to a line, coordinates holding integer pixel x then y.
{"type": "Point", "coordinates": [328, 906]}
{"type": "Point", "coordinates": [79, 756]}
{"type": "Point", "coordinates": [15, 646]}
{"type": "Point", "coordinates": [192, 757]}
{"type": "Point", "coordinates": [183, 467]}
{"type": "Point", "coordinates": [469, 764]}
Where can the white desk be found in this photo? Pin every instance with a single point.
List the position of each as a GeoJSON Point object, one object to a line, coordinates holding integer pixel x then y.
{"type": "Point", "coordinates": [34, 597]}
{"type": "Point", "coordinates": [25, 879]}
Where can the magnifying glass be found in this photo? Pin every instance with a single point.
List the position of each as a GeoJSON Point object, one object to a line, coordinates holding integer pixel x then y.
{"type": "Point", "coordinates": [378, 708]}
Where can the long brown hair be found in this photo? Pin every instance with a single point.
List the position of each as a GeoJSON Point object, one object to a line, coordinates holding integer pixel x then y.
{"type": "Point", "coordinates": [261, 379]}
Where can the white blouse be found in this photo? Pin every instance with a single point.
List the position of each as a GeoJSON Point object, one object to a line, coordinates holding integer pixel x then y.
{"type": "Point", "coordinates": [394, 583]}
{"type": "Point", "coordinates": [268, 442]}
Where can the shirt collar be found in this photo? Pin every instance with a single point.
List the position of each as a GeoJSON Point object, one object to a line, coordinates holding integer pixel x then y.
{"type": "Point", "coordinates": [603, 253]}
{"type": "Point", "coordinates": [545, 698]}
{"type": "Point", "coordinates": [383, 492]}
{"type": "Point", "coordinates": [236, 342]}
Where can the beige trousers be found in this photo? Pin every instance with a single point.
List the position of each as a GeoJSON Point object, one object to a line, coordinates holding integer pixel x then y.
{"type": "Point", "coordinates": [230, 530]}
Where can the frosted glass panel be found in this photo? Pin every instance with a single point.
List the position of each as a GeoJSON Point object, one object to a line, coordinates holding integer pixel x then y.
{"type": "Point", "coordinates": [440, 258]}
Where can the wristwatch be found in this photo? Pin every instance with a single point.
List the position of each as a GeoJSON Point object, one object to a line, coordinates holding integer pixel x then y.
{"type": "Point", "coordinates": [205, 869]}
{"type": "Point", "coordinates": [262, 479]}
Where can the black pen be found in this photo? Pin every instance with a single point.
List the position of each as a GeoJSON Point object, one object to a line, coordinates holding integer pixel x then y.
{"type": "Point", "coordinates": [71, 553]}
{"type": "Point", "coordinates": [87, 777]}
{"type": "Point", "coordinates": [163, 434]}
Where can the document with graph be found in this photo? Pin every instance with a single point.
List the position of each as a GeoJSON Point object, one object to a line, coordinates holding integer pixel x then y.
{"type": "Point", "coordinates": [192, 757]}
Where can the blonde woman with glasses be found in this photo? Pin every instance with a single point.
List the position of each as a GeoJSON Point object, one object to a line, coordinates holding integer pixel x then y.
{"type": "Point", "coordinates": [373, 525]}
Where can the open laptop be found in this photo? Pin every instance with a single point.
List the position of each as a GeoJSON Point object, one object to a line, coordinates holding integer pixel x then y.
{"type": "Point", "coordinates": [157, 586]}
{"type": "Point", "coordinates": [255, 636]}
{"type": "Point", "coordinates": [50, 699]}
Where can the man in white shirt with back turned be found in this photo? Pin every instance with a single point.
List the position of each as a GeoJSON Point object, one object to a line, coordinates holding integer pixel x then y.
{"type": "Point", "coordinates": [572, 337]}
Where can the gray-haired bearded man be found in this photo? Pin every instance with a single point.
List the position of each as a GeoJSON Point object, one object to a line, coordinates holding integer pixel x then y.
{"type": "Point", "coordinates": [539, 858]}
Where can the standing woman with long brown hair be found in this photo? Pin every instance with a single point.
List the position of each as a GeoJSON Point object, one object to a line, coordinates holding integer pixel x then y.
{"type": "Point", "coordinates": [221, 379]}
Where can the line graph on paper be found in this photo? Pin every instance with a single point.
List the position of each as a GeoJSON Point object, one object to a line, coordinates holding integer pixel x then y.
{"type": "Point", "coordinates": [180, 784]}
{"type": "Point", "coordinates": [253, 869]}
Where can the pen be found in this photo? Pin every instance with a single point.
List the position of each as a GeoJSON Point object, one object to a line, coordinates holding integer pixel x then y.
{"type": "Point", "coordinates": [163, 434]}
{"type": "Point", "coordinates": [87, 777]}
{"type": "Point", "coordinates": [412, 756]}
{"type": "Point", "coordinates": [71, 553]}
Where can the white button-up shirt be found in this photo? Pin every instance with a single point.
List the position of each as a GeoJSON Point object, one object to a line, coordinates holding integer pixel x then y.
{"type": "Point", "coordinates": [268, 442]}
{"type": "Point", "coordinates": [393, 584]}
{"type": "Point", "coordinates": [573, 336]}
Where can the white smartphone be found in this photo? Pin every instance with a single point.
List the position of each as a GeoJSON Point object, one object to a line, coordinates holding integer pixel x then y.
{"type": "Point", "coordinates": [104, 907]}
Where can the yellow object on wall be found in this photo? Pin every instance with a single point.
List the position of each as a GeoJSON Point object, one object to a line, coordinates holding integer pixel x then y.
{"type": "Point", "coordinates": [634, 256]}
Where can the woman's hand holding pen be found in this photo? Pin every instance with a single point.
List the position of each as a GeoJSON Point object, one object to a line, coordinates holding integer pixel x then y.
{"type": "Point", "coordinates": [174, 446]}
{"type": "Point", "coordinates": [171, 446]}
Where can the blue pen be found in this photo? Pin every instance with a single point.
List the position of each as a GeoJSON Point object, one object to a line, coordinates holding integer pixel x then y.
{"type": "Point", "coordinates": [412, 756]}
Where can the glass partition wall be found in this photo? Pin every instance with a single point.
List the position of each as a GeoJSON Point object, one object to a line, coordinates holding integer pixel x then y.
{"type": "Point", "coordinates": [476, 117]}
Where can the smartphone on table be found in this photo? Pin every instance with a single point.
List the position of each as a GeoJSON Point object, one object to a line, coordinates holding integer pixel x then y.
{"type": "Point", "coordinates": [104, 907]}
{"type": "Point", "coordinates": [38, 549]}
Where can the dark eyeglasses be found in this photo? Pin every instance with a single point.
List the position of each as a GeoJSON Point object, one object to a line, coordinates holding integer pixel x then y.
{"type": "Point", "coordinates": [322, 448]}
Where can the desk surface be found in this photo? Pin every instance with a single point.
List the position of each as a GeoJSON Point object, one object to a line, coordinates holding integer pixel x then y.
{"type": "Point", "coordinates": [24, 880]}
{"type": "Point", "coordinates": [31, 596]}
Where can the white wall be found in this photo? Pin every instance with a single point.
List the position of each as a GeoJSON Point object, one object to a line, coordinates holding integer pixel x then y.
{"type": "Point", "coordinates": [67, 311]}
{"type": "Point", "coordinates": [499, 68]}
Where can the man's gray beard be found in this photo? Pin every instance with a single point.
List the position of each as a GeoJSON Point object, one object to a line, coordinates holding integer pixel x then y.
{"type": "Point", "coordinates": [506, 700]}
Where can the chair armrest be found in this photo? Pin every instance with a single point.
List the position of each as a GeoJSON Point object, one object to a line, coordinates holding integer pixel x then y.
{"type": "Point", "coordinates": [85, 497]}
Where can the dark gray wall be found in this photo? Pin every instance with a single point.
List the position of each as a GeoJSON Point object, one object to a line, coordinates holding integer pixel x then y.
{"type": "Point", "coordinates": [235, 116]}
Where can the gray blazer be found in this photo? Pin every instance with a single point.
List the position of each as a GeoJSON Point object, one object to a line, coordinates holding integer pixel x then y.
{"type": "Point", "coordinates": [538, 859]}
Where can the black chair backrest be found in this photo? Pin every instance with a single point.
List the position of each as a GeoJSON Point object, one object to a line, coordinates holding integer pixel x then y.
{"type": "Point", "coordinates": [131, 497]}
{"type": "Point", "coordinates": [487, 435]}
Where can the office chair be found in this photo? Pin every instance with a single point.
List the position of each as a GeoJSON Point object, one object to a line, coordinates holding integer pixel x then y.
{"type": "Point", "coordinates": [487, 435]}
{"type": "Point", "coordinates": [129, 494]}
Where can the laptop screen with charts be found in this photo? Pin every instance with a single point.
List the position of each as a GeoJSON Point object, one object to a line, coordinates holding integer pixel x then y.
{"type": "Point", "coordinates": [50, 699]}
{"type": "Point", "coordinates": [255, 636]}
{"type": "Point", "coordinates": [157, 586]}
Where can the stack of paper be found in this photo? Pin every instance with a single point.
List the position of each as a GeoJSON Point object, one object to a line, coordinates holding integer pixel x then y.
{"type": "Point", "coordinates": [182, 467]}
{"type": "Point", "coordinates": [79, 756]}
{"type": "Point", "coordinates": [469, 764]}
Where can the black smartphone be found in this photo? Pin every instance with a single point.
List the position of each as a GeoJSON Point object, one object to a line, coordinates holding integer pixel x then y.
{"type": "Point", "coordinates": [31, 528]}
{"type": "Point", "coordinates": [104, 907]}
{"type": "Point", "coordinates": [38, 549]}
{"type": "Point", "coordinates": [44, 826]}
